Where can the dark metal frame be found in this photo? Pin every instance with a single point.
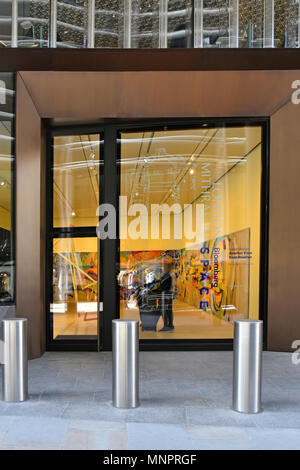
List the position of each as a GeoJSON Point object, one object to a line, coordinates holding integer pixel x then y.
{"type": "Point", "coordinates": [65, 232]}
{"type": "Point", "coordinates": [110, 249]}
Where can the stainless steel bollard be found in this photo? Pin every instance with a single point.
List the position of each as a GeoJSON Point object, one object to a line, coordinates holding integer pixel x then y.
{"type": "Point", "coordinates": [125, 367]}
{"type": "Point", "coordinates": [247, 366]}
{"type": "Point", "coordinates": [15, 360]}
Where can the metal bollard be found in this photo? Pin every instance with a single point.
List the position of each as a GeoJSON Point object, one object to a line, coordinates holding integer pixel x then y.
{"type": "Point", "coordinates": [15, 360]}
{"type": "Point", "coordinates": [247, 366]}
{"type": "Point", "coordinates": [125, 370]}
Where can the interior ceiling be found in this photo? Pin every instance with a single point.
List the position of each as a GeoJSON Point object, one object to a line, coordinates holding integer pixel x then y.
{"type": "Point", "coordinates": [156, 166]}
{"type": "Point", "coordinates": [166, 166]}
{"type": "Point", "coordinates": [76, 176]}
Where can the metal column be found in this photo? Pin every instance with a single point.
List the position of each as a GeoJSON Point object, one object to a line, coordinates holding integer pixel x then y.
{"type": "Point", "coordinates": [91, 25]}
{"type": "Point", "coordinates": [53, 23]}
{"type": "Point", "coordinates": [198, 23]}
{"type": "Point", "coordinates": [247, 366]}
{"type": "Point", "coordinates": [250, 34]}
{"type": "Point", "coordinates": [15, 360]}
{"type": "Point", "coordinates": [233, 23]}
{"type": "Point", "coordinates": [125, 370]}
{"type": "Point", "coordinates": [127, 24]}
{"type": "Point", "coordinates": [269, 23]}
{"type": "Point", "coordinates": [163, 24]}
{"type": "Point", "coordinates": [14, 23]}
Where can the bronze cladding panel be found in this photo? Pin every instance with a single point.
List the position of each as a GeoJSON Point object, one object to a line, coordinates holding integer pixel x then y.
{"type": "Point", "coordinates": [30, 235]}
{"type": "Point", "coordinates": [284, 234]}
{"type": "Point", "coordinates": [92, 95]}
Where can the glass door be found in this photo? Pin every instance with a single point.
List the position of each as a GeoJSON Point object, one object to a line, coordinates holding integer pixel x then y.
{"type": "Point", "coordinates": [74, 299]}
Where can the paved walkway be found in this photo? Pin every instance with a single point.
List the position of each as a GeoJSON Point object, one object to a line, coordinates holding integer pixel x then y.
{"type": "Point", "coordinates": [185, 404]}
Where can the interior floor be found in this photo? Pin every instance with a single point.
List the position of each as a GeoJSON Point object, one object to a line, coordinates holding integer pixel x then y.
{"type": "Point", "coordinates": [189, 323]}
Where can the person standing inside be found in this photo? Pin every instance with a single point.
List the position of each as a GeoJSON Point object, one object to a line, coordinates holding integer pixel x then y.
{"type": "Point", "coordinates": [167, 294]}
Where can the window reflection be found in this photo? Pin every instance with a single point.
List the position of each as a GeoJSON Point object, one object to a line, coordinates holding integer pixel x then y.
{"type": "Point", "coordinates": [180, 24]}
{"type": "Point", "coordinates": [72, 24]}
{"type": "Point", "coordinates": [5, 23]}
{"type": "Point", "coordinates": [76, 180]}
{"type": "Point", "coordinates": [193, 279]}
{"type": "Point", "coordinates": [33, 23]}
{"type": "Point", "coordinates": [75, 288]}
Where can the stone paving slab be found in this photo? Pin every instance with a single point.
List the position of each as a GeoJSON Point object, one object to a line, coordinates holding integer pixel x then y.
{"type": "Point", "coordinates": [185, 404]}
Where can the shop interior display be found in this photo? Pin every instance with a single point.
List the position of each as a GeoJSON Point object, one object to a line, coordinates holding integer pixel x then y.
{"type": "Point", "coordinates": [175, 286]}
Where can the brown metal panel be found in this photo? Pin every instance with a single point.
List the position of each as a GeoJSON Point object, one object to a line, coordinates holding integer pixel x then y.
{"type": "Point", "coordinates": [148, 59]}
{"type": "Point", "coordinates": [94, 95]}
{"type": "Point", "coordinates": [284, 252]}
{"type": "Point", "coordinates": [30, 272]}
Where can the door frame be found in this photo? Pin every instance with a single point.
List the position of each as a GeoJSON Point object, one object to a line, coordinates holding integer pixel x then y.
{"type": "Point", "coordinates": [109, 250]}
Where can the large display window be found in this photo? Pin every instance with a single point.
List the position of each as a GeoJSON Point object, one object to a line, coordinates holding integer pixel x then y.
{"type": "Point", "coordinates": [174, 236]}
{"type": "Point", "coordinates": [190, 251]}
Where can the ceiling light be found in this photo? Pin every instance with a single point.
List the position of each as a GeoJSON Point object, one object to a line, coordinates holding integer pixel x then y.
{"type": "Point", "coordinates": [136, 194]}
{"type": "Point", "coordinates": [73, 214]}
{"type": "Point", "coordinates": [192, 171]}
{"type": "Point", "coordinates": [2, 183]}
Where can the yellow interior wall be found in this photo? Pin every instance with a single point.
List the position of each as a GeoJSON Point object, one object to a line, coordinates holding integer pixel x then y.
{"type": "Point", "coordinates": [5, 175]}
{"type": "Point", "coordinates": [5, 221]}
{"type": "Point", "coordinates": [75, 245]}
{"type": "Point", "coordinates": [74, 221]}
{"type": "Point", "coordinates": [239, 206]}
{"type": "Point", "coordinates": [150, 244]}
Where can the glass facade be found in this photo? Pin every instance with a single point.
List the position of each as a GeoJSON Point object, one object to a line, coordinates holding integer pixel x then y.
{"type": "Point", "coordinates": [190, 230]}
{"type": "Point", "coordinates": [72, 19]}
{"type": "Point", "coordinates": [76, 168]}
{"type": "Point", "coordinates": [5, 23]}
{"type": "Point", "coordinates": [7, 260]}
{"type": "Point", "coordinates": [185, 230]}
{"type": "Point", "coordinates": [149, 24]}
{"type": "Point", "coordinates": [74, 257]}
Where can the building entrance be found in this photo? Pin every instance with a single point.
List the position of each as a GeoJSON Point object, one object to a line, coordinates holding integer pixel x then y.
{"type": "Point", "coordinates": [163, 222]}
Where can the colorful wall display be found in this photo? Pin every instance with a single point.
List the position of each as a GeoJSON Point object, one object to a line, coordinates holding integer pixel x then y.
{"type": "Point", "coordinates": [213, 277]}
{"type": "Point", "coordinates": [75, 276]}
